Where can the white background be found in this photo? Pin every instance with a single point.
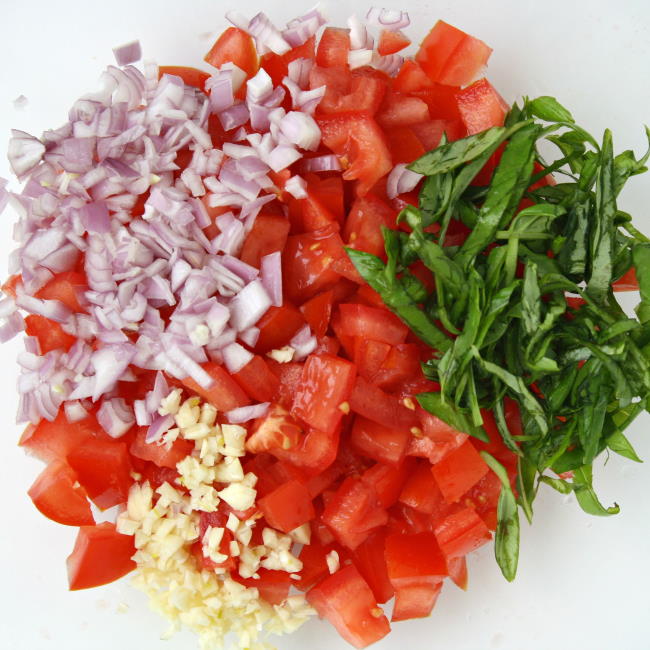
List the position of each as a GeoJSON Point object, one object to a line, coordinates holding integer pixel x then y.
{"type": "Point", "coordinates": [583, 582]}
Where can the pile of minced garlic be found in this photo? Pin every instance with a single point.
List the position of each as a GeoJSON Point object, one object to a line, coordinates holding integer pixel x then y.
{"type": "Point", "coordinates": [165, 524]}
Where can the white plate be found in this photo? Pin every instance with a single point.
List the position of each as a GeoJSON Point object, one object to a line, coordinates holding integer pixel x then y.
{"type": "Point", "coordinates": [582, 581]}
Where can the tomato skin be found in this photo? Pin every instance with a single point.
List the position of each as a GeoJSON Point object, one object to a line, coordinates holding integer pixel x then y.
{"type": "Point", "coordinates": [402, 110]}
{"type": "Point", "coordinates": [387, 481]}
{"type": "Point", "coordinates": [391, 42]}
{"type": "Point", "coordinates": [457, 567]}
{"type": "Point", "coordinates": [100, 555]}
{"type": "Point", "coordinates": [347, 602]}
{"type": "Point", "coordinates": [411, 77]}
{"type": "Point", "coordinates": [345, 92]}
{"type": "Point", "coordinates": [369, 356]}
{"type": "Point", "coordinates": [104, 470]}
{"type": "Point", "coordinates": [234, 46]}
{"type": "Point", "coordinates": [277, 327]}
{"type": "Point", "coordinates": [268, 235]}
{"type": "Point", "coordinates": [451, 57]}
{"type": "Point", "coordinates": [363, 227]}
{"type": "Point", "coordinates": [50, 335]}
{"type": "Point", "coordinates": [326, 383]}
{"type": "Point", "coordinates": [378, 442]}
{"type": "Point", "coordinates": [333, 48]}
{"type": "Point", "coordinates": [357, 138]}
{"type": "Point", "coordinates": [415, 601]}
{"type": "Point", "coordinates": [458, 471]}
{"type": "Point", "coordinates": [421, 492]}
{"type": "Point", "coordinates": [315, 452]}
{"type": "Point", "coordinates": [273, 586]}
{"type": "Point", "coordinates": [56, 494]}
{"type": "Point", "coordinates": [352, 512]}
{"type": "Point", "coordinates": [224, 394]}
{"type": "Point", "coordinates": [371, 323]}
{"type": "Point", "coordinates": [65, 287]}
{"type": "Point", "coordinates": [404, 145]}
{"type": "Point", "coordinates": [414, 558]}
{"type": "Point", "coordinates": [461, 533]}
{"type": "Point", "coordinates": [430, 133]}
{"type": "Point", "coordinates": [287, 507]}
{"type": "Point", "coordinates": [317, 312]}
{"type": "Point", "coordinates": [314, 564]}
{"type": "Point", "coordinates": [309, 214]}
{"type": "Point", "coordinates": [371, 563]}
{"type": "Point", "coordinates": [257, 380]}
{"type": "Point", "coordinates": [481, 106]}
{"type": "Point", "coordinates": [159, 454]}
{"type": "Point", "coordinates": [190, 76]}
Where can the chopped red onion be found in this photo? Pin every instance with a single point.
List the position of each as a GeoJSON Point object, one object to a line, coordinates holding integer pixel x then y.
{"type": "Point", "coordinates": [267, 35]}
{"type": "Point", "coordinates": [249, 305]}
{"type": "Point", "coordinates": [250, 336]}
{"type": "Point", "coordinates": [298, 71]}
{"type": "Point", "coordinates": [157, 394]}
{"type": "Point", "coordinates": [247, 413]}
{"type": "Point", "coordinates": [283, 156]}
{"type": "Point", "coordinates": [74, 411]}
{"type": "Point", "coordinates": [300, 30]}
{"type": "Point", "coordinates": [359, 58]}
{"type": "Point", "coordinates": [301, 129]}
{"type": "Point", "coordinates": [4, 194]}
{"type": "Point", "coordinates": [401, 180]}
{"type": "Point", "coordinates": [109, 363]}
{"type": "Point", "coordinates": [259, 87]}
{"type": "Point", "coordinates": [220, 87]}
{"type": "Point", "coordinates": [189, 367]}
{"type": "Point", "coordinates": [95, 218]}
{"type": "Point", "coordinates": [115, 417]}
{"type": "Point", "coordinates": [389, 19]}
{"type": "Point", "coordinates": [24, 153]}
{"type": "Point", "coordinates": [235, 357]}
{"type": "Point", "coordinates": [128, 53]}
{"type": "Point", "coordinates": [245, 271]}
{"type": "Point", "coordinates": [158, 427]}
{"type": "Point", "coordinates": [142, 416]}
{"type": "Point", "coordinates": [52, 309]}
{"type": "Point", "coordinates": [359, 37]}
{"type": "Point", "coordinates": [297, 187]}
{"type": "Point", "coordinates": [271, 275]}
{"type": "Point", "coordinates": [303, 342]}
{"type": "Point", "coordinates": [13, 325]}
{"type": "Point", "coordinates": [326, 163]}
{"type": "Point", "coordinates": [390, 64]}
{"type": "Point", "coordinates": [234, 116]}
{"type": "Point", "coordinates": [238, 75]}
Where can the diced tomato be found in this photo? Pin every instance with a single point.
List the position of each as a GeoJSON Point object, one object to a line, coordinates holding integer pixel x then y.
{"type": "Point", "coordinates": [234, 46]}
{"type": "Point", "coordinates": [444, 436]}
{"type": "Point", "coordinates": [415, 600]}
{"type": "Point", "coordinates": [353, 512]}
{"type": "Point", "coordinates": [458, 471]}
{"type": "Point", "coordinates": [277, 327]}
{"type": "Point", "coordinates": [268, 235]}
{"type": "Point", "coordinates": [346, 93]}
{"type": "Point", "coordinates": [391, 42]}
{"type": "Point", "coordinates": [358, 140]}
{"type": "Point", "coordinates": [371, 563]}
{"type": "Point", "coordinates": [402, 110]}
{"type": "Point", "coordinates": [65, 287]}
{"type": "Point", "coordinates": [373, 403]}
{"type": "Point", "coordinates": [9, 287]}
{"type": "Point", "coordinates": [461, 533]}
{"type": "Point", "coordinates": [190, 76]}
{"type": "Point", "coordinates": [155, 475]}
{"type": "Point", "coordinates": [333, 47]}
{"type": "Point", "coordinates": [257, 380]}
{"type": "Point", "coordinates": [404, 144]}
{"type": "Point", "coordinates": [59, 497]}
{"type": "Point", "coordinates": [273, 586]}
{"type": "Point", "coordinates": [378, 442]}
{"type": "Point", "coordinates": [159, 454]}
{"type": "Point", "coordinates": [401, 363]}
{"type": "Point", "coordinates": [368, 296]}
{"type": "Point", "coordinates": [100, 555]}
{"type": "Point", "coordinates": [318, 311]}
{"type": "Point", "coordinates": [224, 394]}
{"type": "Point", "coordinates": [372, 323]}
{"type": "Point", "coordinates": [627, 282]}
{"type": "Point", "coordinates": [54, 440]}
{"type": "Point", "coordinates": [421, 491]}
{"type": "Point", "coordinates": [366, 218]}
{"type": "Point", "coordinates": [104, 470]}
{"type": "Point", "coordinates": [307, 263]}
{"type": "Point", "coordinates": [276, 430]}
{"type": "Point", "coordinates": [325, 386]}
{"type": "Point", "coordinates": [430, 133]}
{"type": "Point", "coordinates": [314, 564]}
{"type": "Point", "coordinates": [315, 452]}
{"type": "Point", "coordinates": [287, 507]}
{"type": "Point", "coordinates": [50, 335]}
{"type": "Point", "coordinates": [347, 602]}
{"type": "Point", "coordinates": [484, 497]}
{"type": "Point", "coordinates": [277, 65]}
{"type": "Point", "coordinates": [289, 375]}
{"type": "Point", "coordinates": [481, 106]}
{"type": "Point", "coordinates": [325, 478]}
{"type": "Point", "coordinates": [329, 191]}
{"type": "Point", "coordinates": [457, 567]}
{"type": "Point", "coordinates": [441, 101]}
{"type": "Point", "coordinates": [411, 77]}
{"type": "Point", "coordinates": [450, 56]}
{"type": "Point", "coordinates": [369, 356]}
{"type": "Point", "coordinates": [387, 481]}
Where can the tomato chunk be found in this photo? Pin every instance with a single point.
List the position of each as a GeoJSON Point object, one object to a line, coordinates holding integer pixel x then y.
{"type": "Point", "coordinates": [287, 507]}
{"type": "Point", "coordinates": [318, 311]}
{"type": "Point", "coordinates": [414, 558]}
{"type": "Point", "coordinates": [333, 47]}
{"type": "Point", "coordinates": [159, 454]}
{"type": "Point", "coordinates": [325, 386]}
{"type": "Point", "coordinates": [370, 561]}
{"type": "Point", "coordinates": [314, 564]}
{"type": "Point", "coordinates": [190, 76]}
{"type": "Point", "coordinates": [421, 492]}
{"type": "Point", "coordinates": [458, 471]}
{"type": "Point", "coordinates": [104, 470]}
{"type": "Point", "coordinates": [277, 327]}
{"type": "Point", "coordinates": [59, 497]}
{"type": "Point", "coordinates": [387, 481]}
{"type": "Point", "coordinates": [402, 110]}
{"type": "Point", "coordinates": [347, 602]}
{"type": "Point", "coordinates": [224, 394]}
{"type": "Point", "coordinates": [67, 288]}
{"type": "Point", "coordinates": [100, 555]}
{"type": "Point", "coordinates": [257, 380]}
{"type": "Point", "coordinates": [234, 46]}
{"type": "Point", "coordinates": [461, 533]}
{"type": "Point", "coordinates": [391, 42]}
{"type": "Point", "coordinates": [268, 235]}
{"type": "Point", "coordinates": [378, 442]}
{"type": "Point", "coordinates": [50, 335]}
{"type": "Point", "coordinates": [415, 600]}
{"type": "Point", "coordinates": [481, 106]}
{"type": "Point", "coordinates": [372, 323]}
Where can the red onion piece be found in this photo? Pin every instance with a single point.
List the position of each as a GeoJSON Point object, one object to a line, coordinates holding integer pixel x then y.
{"type": "Point", "coordinates": [159, 426]}
{"type": "Point", "coordinates": [234, 116]}
{"type": "Point", "coordinates": [250, 336]}
{"type": "Point", "coordinates": [301, 129]}
{"type": "Point", "coordinates": [74, 411]}
{"type": "Point", "coordinates": [267, 35]}
{"type": "Point", "coordinates": [13, 325]}
{"type": "Point", "coordinates": [390, 64]}
{"type": "Point", "coordinates": [128, 53]}
{"type": "Point", "coordinates": [259, 87]}
{"type": "Point", "coordinates": [249, 305]}
{"type": "Point", "coordinates": [24, 153]}
{"type": "Point", "coordinates": [245, 271]}
{"type": "Point", "coordinates": [109, 363]}
{"type": "Point", "coordinates": [298, 71]}
{"type": "Point", "coordinates": [235, 357]}
{"type": "Point", "coordinates": [401, 180]}
{"type": "Point", "coordinates": [297, 187]}
{"type": "Point", "coordinates": [4, 194]}
{"type": "Point", "coordinates": [220, 87]}
{"type": "Point", "coordinates": [389, 19]}
{"type": "Point", "coordinates": [142, 416]}
{"type": "Point", "coordinates": [95, 218]}
{"type": "Point", "coordinates": [326, 163]}
{"type": "Point", "coordinates": [247, 413]}
{"type": "Point", "coordinates": [359, 37]}
{"type": "Point", "coordinates": [359, 58]}
{"type": "Point", "coordinates": [303, 342]}
{"type": "Point", "coordinates": [115, 417]}
{"type": "Point", "coordinates": [52, 309]}
{"type": "Point", "coordinates": [271, 275]}
{"type": "Point", "coordinates": [189, 367]}
{"type": "Point", "coordinates": [281, 157]}
{"type": "Point", "coordinates": [157, 394]}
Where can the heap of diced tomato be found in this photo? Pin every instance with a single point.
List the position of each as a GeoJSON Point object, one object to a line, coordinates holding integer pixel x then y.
{"type": "Point", "coordinates": [399, 495]}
